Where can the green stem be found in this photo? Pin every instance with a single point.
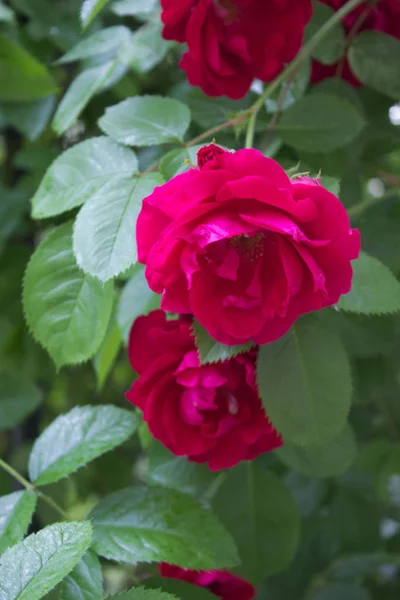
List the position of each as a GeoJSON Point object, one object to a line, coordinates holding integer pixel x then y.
{"type": "Point", "coordinates": [31, 488]}
{"type": "Point", "coordinates": [250, 130]}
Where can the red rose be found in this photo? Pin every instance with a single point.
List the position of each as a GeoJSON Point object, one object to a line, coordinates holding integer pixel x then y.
{"type": "Point", "coordinates": [221, 583]}
{"type": "Point", "coordinates": [230, 42]}
{"type": "Point", "coordinates": [243, 248]}
{"type": "Point", "coordinates": [210, 413]}
{"type": "Point", "coordinates": [383, 16]}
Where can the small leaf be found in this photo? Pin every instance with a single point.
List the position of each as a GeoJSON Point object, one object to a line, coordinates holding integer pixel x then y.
{"type": "Point", "coordinates": [106, 41]}
{"type": "Point", "coordinates": [104, 235]}
{"type": "Point", "coordinates": [107, 354]}
{"type": "Point", "coordinates": [328, 460]}
{"type": "Point", "coordinates": [305, 382]}
{"type": "Point", "coordinates": [290, 90]}
{"type": "Point", "coordinates": [374, 58]}
{"type": "Point", "coordinates": [16, 512]}
{"type": "Point", "coordinates": [85, 582]}
{"type": "Point", "coordinates": [136, 299]}
{"type": "Point", "coordinates": [257, 507]}
{"type": "Point", "coordinates": [178, 161]}
{"type": "Point", "coordinates": [331, 48]}
{"type": "Point", "coordinates": [180, 589]}
{"type": "Point", "coordinates": [374, 289]}
{"type": "Point", "coordinates": [211, 351]}
{"type": "Point", "coordinates": [67, 311]}
{"type": "Point", "coordinates": [19, 397]}
{"type": "Point", "coordinates": [29, 570]}
{"type": "Point", "coordinates": [74, 439]}
{"type": "Point", "coordinates": [131, 8]}
{"type": "Point", "coordinates": [140, 593]}
{"type": "Point", "coordinates": [146, 48]}
{"type": "Point", "coordinates": [80, 173]}
{"type": "Point", "coordinates": [142, 524]}
{"type": "Point", "coordinates": [6, 14]}
{"type": "Point", "coordinates": [90, 9]}
{"type": "Point", "coordinates": [146, 121]}
{"type": "Point", "coordinates": [320, 123]}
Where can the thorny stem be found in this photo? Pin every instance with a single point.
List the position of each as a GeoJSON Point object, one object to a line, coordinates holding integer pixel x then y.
{"type": "Point", "coordinates": [31, 488]}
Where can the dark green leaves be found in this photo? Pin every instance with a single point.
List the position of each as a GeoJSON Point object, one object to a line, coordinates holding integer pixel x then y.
{"type": "Point", "coordinates": [341, 591]}
{"type": "Point", "coordinates": [331, 48]}
{"type": "Point", "coordinates": [32, 568]}
{"type": "Point", "coordinates": [74, 439]}
{"type": "Point", "coordinates": [16, 512]}
{"type": "Point", "coordinates": [86, 580]}
{"type": "Point", "coordinates": [19, 397]}
{"type": "Point", "coordinates": [211, 351]}
{"type": "Point", "coordinates": [259, 510]}
{"type": "Point", "coordinates": [374, 289]}
{"type": "Point", "coordinates": [66, 310]}
{"type": "Point", "coordinates": [142, 524]}
{"type": "Point", "coordinates": [375, 60]}
{"type": "Point", "coordinates": [146, 121]}
{"type": "Point", "coordinates": [305, 383]}
{"type": "Point", "coordinates": [140, 593]}
{"type": "Point", "coordinates": [320, 123]}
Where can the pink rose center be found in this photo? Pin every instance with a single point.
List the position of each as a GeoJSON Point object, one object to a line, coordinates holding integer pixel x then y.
{"type": "Point", "coordinates": [250, 246]}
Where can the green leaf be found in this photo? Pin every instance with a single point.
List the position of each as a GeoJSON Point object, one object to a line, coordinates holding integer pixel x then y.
{"type": "Point", "coordinates": [86, 580]}
{"type": "Point", "coordinates": [258, 509]}
{"type": "Point", "coordinates": [320, 123]}
{"type": "Point", "coordinates": [22, 77]}
{"type": "Point", "coordinates": [90, 9]}
{"type": "Point", "coordinates": [74, 439]}
{"type": "Point", "coordinates": [328, 460]}
{"type": "Point", "coordinates": [374, 290]}
{"type": "Point", "coordinates": [31, 569]}
{"type": "Point", "coordinates": [136, 299]}
{"type": "Point", "coordinates": [140, 593]}
{"type": "Point", "coordinates": [361, 566]}
{"type": "Point", "coordinates": [81, 90]}
{"type": "Point", "coordinates": [67, 311]}
{"type": "Point", "coordinates": [211, 351]}
{"type": "Point", "coordinates": [146, 48]}
{"type": "Point", "coordinates": [131, 8]}
{"type": "Point", "coordinates": [106, 41]}
{"type": "Point", "coordinates": [178, 161]}
{"type": "Point", "coordinates": [16, 512]}
{"type": "Point", "coordinates": [142, 524]}
{"type": "Point", "coordinates": [146, 121]}
{"type": "Point", "coordinates": [305, 382]}
{"type": "Point", "coordinates": [331, 48]}
{"type": "Point", "coordinates": [290, 90]}
{"type": "Point", "coordinates": [80, 173]}
{"type": "Point", "coordinates": [6, 14]}
{"type": "Point", "coordinates": [104, 235]}
{"type": "Point", "coordinates": [374, 58]}
{"type": "Point", "coordinates": [107, 354]}
{"type": "Point", "coordinates": [29, 118]}
{"type": "Point", "coordinates": [19, 397]}
{"type": "Point", "coordinates": [342, 591]}
{"type": "Point", "coordinates": [180, 589]}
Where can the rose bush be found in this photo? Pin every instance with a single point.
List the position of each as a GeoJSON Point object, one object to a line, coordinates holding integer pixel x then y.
{"type": "Point", "coordinates": [210, 413]}
{"type": "Point", "coordinates": [230, 42]}
{"type": "Point", "coordinates": [243, 248]}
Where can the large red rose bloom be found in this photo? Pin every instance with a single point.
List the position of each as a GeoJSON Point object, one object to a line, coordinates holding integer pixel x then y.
{"type": "Point", "coordinates": [221, 583]}
{"type": "Point", "coordinates": [230, 42]}
{"type": "Point", "coordinates": [384, 16]}
{"type": "Point", "coordinates": [210, 413]}
{"type": "Point", "coordinates": [243, 248]}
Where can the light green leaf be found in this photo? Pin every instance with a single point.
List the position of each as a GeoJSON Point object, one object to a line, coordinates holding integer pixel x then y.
{"type": "Point", "coordinates": [291, 90]}
{"type": "Point", "coordinates": [90, 9]}
{"type": "Point", "coordinates": [146, 49]}
{"type": "Point", "coordinates": [305, 382]}
{"type": "Point", "coordinates": [86, 580]}
{"type": "Point", "coordinates": [331, 48]}
{"type": "Point", "coordinates": [320, 123]}
{"type": "Point", "coordinates": [332, 184]}
{"type": "Point", "coordinates": [74, 439]}
{"type": "Point", "coordinates": [180, 589]}
{"type": "Point", "coordinates": [80, 173]}
{"type": "Point", "coordinates": [19, 397]}
{"type": "Point", "coordinates": [146, 121]}
{"type": "Point", "coordinates": [106, 41]}
{"type": "Point", "coordinates": [328, 460]}
{"type": "Point", "coordinates": [107, 354]}
{"type": "Point", "coordinates": [16, 512]}
{"type": "Point", "coordinates": [211, 351]}
{"type": "Point", "coordinates": [257, 507]}
{"type": "Point", "coordinates": [375, 60]}
{"type": "Point", "coordinates": [29, 118]}
{"type": "Point", "coordinates": [131, 8]}
{"type": "Point", "coordinates": [22, 77]}
{"type": "Point", "coordinates": [67, 311]}
{"type": "Point", "coordinates": [104, 235]}
{"type": "Point", "coordinates": [31, 569]}
{"type": "Point", "coordinates": [178, 161]}
{"type": "Point", "coordinates": [136, 299]}
{"type": "Point", "coordinates": [6, 14]}
{"type": "Point", "coordinates": [140, 593]}
{"type": "Point", "coordinates": [142, 524]}
{"type": "Point", "coordinates": [374, 290]}
{"type": "Point", "coordinates": [81, 90]}
{"type": "Point", "coordinates": [341, 591]}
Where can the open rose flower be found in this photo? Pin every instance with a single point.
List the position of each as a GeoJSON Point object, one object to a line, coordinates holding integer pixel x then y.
{"type": "Point", "coordinates": [230, 42]}
{"type": "Point", "coordinates": [383, 16]}
{"type": "Point", "coordinates": [211, 413]}
{"type": "Point", "coordinates": [243, 248]}
{"type": "Point", "coordinates": [223, 584]}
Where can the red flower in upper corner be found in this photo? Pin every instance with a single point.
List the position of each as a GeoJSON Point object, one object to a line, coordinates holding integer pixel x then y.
{"type": "Point", "coordinates": [243, 248]}
{"type": "Point", "coordinates": [223, 584]}
{"type": "Point", "coordinates": [211, 413]}
{"type": "Point", "coordinates": [230, 42]}
{"type": "Point", "coordinates": [384, 16]}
